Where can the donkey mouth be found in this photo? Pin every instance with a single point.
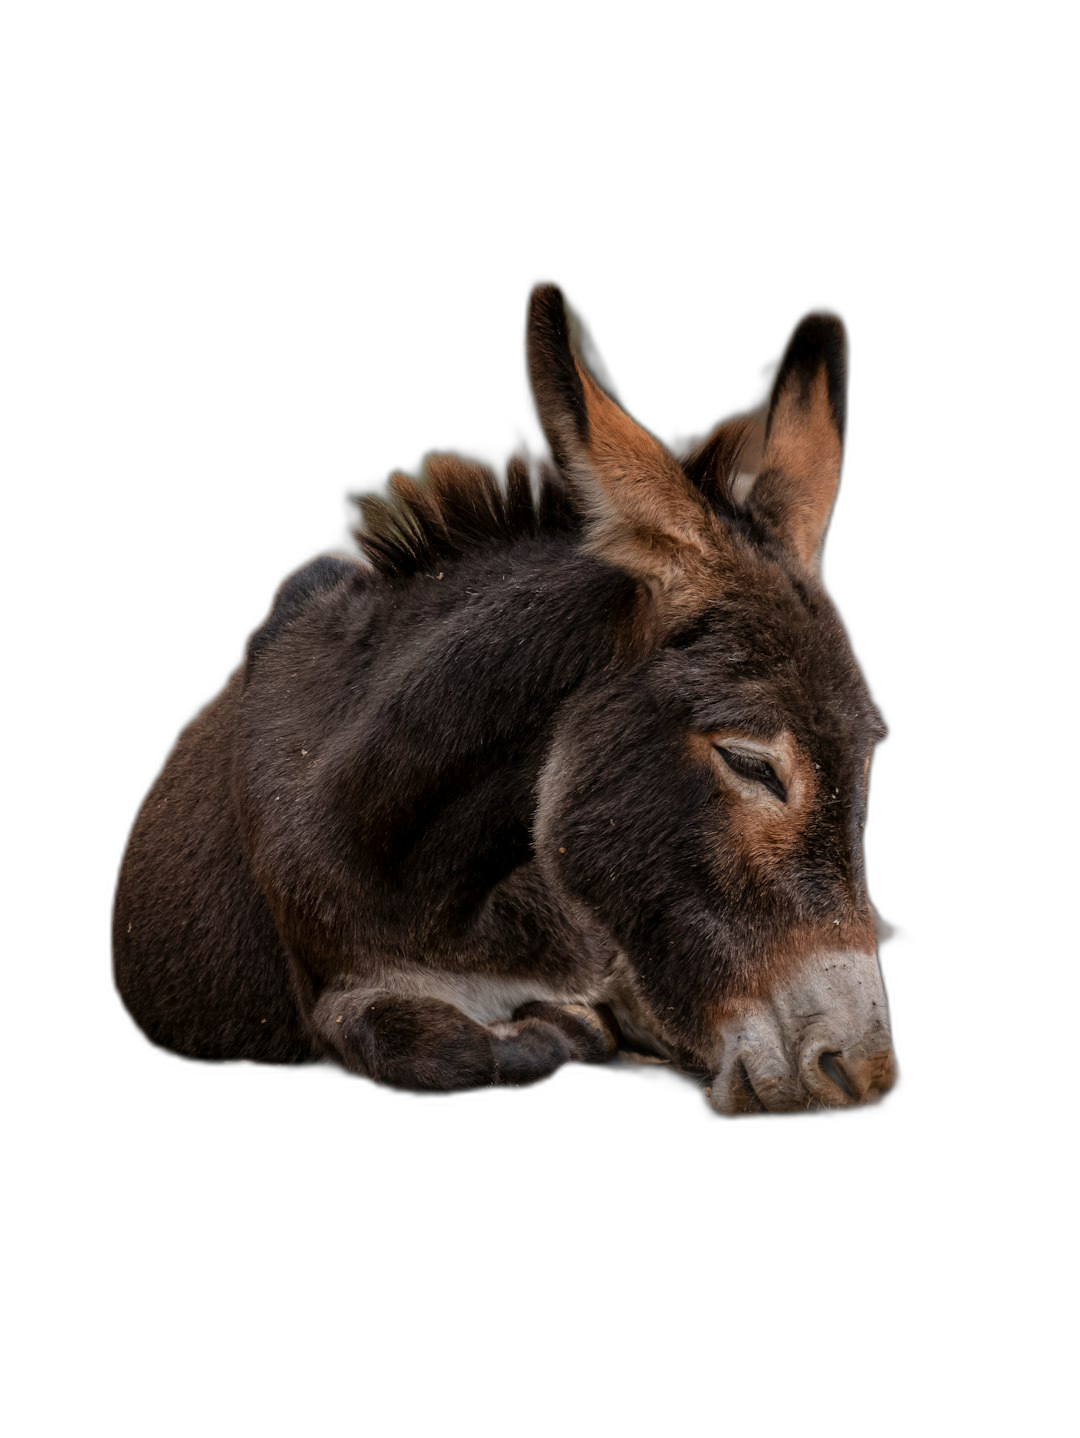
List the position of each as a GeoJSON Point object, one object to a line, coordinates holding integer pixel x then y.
{"type": "Point", "coordinates": [741, 1099]}
{"type": "Point", "coordinates": [820, 1040]}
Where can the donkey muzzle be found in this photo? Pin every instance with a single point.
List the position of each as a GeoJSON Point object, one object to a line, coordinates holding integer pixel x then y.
{"type": "Point", "coordinates": [820, 1039]}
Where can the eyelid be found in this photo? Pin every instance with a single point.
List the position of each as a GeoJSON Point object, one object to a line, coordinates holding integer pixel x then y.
{"type": "Point", "coordinates": [752, 765]}
{"type": "Point", "coordinates": [743, 749]}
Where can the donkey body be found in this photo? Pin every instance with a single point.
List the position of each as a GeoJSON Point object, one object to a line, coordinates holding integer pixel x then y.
{"type": "Point", "coordinates": [569, 766]}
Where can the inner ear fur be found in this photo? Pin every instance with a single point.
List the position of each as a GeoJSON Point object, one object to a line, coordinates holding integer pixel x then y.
{"type": "Point", "coordinates": [644, 514]}
{"type": "Point", "coordinates": [724, 465]}
{"type": "Point", "coordinates": [804, 438]}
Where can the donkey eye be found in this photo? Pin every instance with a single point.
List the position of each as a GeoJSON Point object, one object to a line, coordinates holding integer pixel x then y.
{"type": "Point", "coordinates": [751, 766]}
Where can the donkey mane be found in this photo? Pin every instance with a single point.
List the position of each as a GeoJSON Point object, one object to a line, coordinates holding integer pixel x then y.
{"type": "Point", "coordinates": [457, 506]}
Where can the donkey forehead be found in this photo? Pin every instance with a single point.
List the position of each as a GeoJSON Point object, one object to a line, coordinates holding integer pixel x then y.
{"type": "Point", "coordinates": [772, 659]}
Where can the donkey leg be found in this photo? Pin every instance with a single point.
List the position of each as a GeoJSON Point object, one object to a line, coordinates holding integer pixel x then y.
{"type": "Point", "coordinates": [592, 1032]}
{"type": "Point", "coordinates": [425, 1043]}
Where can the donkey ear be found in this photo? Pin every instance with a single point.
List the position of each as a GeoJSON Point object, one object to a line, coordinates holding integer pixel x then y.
{"type": "Point", "coordinates": [588, 354]}
{"type": "Point", "coordinates": [804, 437]}
{"type": "Point", "coordinates": [644, 514]}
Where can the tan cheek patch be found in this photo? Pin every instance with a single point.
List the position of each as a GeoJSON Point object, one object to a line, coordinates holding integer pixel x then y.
{"type": "Point", "coordinates": [762, 833]}
{"type": "Point", "coordinates": [767, 832]}
{"type": "Point", "coordinates": [765, 829]}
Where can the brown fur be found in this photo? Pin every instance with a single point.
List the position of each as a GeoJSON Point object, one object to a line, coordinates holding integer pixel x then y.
{"type": "Point", "coordinates": [800, 466]}
{"type": "Point", "coordinates": [734, 448]}
{"type": "Point", "coordinates": [766, 831]}
{"type": "Point", "coordinates": [457, 505]}
{"type": "Point", "coordinates": [645, 516]}
{"type": "Point", "coordinates": [780, 956]}
{"type": "Point", "coordinates": [457, 804]}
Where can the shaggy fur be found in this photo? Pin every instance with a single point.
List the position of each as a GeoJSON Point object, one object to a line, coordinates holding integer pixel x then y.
{"type": "Point", "coordinates": [473, 809]}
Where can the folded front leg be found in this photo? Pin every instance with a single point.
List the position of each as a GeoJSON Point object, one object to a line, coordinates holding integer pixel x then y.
{"type": "Point", "coordinates": [426, 1043]}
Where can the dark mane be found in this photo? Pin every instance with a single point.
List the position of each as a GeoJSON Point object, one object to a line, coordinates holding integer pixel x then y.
{"type": "Point", "coordinates": [458, 505]}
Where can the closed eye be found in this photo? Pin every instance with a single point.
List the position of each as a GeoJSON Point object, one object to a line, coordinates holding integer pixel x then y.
{"type": "Point", "coordinates": [754, 768]}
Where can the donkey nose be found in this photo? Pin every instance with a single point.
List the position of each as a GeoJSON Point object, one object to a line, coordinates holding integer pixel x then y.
{"type": "Point", "coordinates": [850, 1077]}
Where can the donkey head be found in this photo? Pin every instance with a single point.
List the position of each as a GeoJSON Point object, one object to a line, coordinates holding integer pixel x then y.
{"type": "Point", "coordinates": [705, 802]}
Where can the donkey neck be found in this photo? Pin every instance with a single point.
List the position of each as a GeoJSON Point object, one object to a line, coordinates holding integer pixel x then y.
{"type": "Point", "coordinates": [465, 669]}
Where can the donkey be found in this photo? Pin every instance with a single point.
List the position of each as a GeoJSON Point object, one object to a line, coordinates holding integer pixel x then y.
{"type": "Point", "coordinates": [573, 764]}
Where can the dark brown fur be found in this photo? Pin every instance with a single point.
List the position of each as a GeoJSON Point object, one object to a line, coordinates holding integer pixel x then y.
{"type": "Point", "coordinates": [455, 803]}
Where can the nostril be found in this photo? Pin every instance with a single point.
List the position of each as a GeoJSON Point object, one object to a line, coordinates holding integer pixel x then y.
{"type": "Point", "coordinates": [861, 1077]}
{"type": "Point", "coordinates": [831, 1065]}
{"type": "Point", "coordinates": [847, 1076]}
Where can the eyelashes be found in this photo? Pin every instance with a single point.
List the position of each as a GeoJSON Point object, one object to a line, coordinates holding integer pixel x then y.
{"type": "Point", "coordinates": [754, 768]}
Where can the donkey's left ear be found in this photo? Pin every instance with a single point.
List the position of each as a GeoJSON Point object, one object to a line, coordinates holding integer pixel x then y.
{"type": "Point", "coordinates": [804, 437]}
{"type": "Point", "coordinates": [643, 513]}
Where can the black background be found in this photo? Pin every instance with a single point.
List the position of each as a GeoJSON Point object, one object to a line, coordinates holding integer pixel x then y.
{"type": "Point", "coordinates": [285, 344]}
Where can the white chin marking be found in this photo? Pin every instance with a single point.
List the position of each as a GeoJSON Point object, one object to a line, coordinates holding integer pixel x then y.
{"type": "Point", "coordinates": [820, 1039]}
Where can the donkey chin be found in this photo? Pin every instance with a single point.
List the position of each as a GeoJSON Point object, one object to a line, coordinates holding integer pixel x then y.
{"type": "Point", "coordinates": [820, 1038]}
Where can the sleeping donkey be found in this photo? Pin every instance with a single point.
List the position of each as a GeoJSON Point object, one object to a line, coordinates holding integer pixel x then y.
{"type": "Point", "coordinates": [574, 763]}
